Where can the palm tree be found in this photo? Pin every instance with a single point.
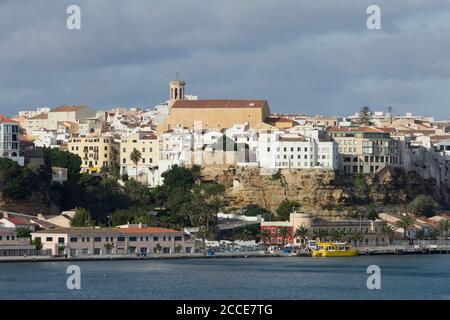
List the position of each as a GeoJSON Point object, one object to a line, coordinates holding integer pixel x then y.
{"type": "Point", "coordinates": [302, 233]}
{"type": "Point", "coordinates": [264, 235]}
{"type": "Point", "coordinates": [338, 235]}
{"type": "Point", "coordinates": [109, 247]}
{"type": "Point", "coordinates": [404, 223]}
{"type": "Point", "coordinates": [136, 156]}
{"type": "Point", "coordinates": [420, 234]}
{"type": "Point", "coordinates": [356, 237]}
{"type": "Point", "coordinates": [203, 217]}
{"type": "Point", "coordinates": [321, 234]}
{"type": "Point", "coordinates": [443, 227]}
{"type": "Point", "coordinates": [283, 232]}
{"type": "Point", "coordinates": [388, 232]}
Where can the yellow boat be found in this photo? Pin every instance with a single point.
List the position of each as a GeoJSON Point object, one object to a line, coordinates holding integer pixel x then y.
{"type": "Point", "coordinates": [330, 249]}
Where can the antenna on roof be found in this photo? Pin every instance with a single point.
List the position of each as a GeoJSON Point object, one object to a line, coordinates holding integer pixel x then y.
{"type": "Point", "coordinates": [177, 75]}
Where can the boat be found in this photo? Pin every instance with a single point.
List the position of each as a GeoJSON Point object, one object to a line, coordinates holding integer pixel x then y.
{"type": "Point", "coordinates": [334, 249]}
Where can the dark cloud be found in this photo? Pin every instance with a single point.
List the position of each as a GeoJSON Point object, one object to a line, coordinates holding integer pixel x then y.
{"type": "Point", "coordinates": [303, 56]}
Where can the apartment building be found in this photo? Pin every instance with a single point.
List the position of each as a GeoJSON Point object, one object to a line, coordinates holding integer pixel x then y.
{"type": "Point", "coordinates": [68, 113]}
{"type": "Point", "coordinates": [11, 245]}
{"type": "Point", "coordinates": [130, 239]}
{"type": "Point", "coordinates": [283, 150]}
{"type": "Point", "coordinates": [95, 152]}
{"type": "Point", "coordinates": [9, 140]}
{"type": "Point", "coordinates": [366, 149]}
{"type": "Point", "coordinates": [147, 144]}
{"type": "Point", "coordinates": [371, 231]}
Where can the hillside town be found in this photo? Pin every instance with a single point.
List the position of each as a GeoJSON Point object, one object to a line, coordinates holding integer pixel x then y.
{"type": "Point", "coordinates": [221, 135]}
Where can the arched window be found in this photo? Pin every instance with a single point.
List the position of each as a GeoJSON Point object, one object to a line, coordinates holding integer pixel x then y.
{"type": "Point", "coordinates": [5, 154]}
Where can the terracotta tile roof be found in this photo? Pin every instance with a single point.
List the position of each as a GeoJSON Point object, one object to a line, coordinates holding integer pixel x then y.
{"type": "Point", "coordinates": [147, 135]}
{"type": "Point", "coordinates": [219, 103]}
{"type": "Point", "coordinates": [19, 221]}
{"type": "Point", "coordinates": [115, 231]}
{"type": "Point", "coordinates": [4, 119]}
{"type": "Point", "coordinates": [67, 108]}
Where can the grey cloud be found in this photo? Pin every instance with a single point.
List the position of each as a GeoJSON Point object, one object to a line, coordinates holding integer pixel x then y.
{"type": "Point", "coordinates": [303, 56]}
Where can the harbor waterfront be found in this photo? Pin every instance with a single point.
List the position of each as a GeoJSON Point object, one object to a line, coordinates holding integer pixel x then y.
{"type": "Point", "coordinates": [405, 277]}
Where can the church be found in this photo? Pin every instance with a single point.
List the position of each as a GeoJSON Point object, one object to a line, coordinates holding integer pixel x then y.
{"type": "Point", "coordinates": [216, 114]}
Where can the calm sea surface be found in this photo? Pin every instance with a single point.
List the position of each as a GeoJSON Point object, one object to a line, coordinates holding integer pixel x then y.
{"type": "Point", "coordinates": [402, 277]}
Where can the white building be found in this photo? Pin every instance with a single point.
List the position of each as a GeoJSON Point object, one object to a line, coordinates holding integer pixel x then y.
{"type": "Point", "coordinates": [68, 113]}
{"type": "Point", "coordinates": [9, 140]}
{"type": "Point", "coordinates": [281, 150]}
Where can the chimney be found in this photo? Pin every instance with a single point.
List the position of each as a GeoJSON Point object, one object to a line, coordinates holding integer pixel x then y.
{"type": "Point", "coordinates": [140, 225]}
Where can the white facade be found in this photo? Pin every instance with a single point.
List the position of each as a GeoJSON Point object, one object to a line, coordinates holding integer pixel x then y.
{"type": "Point", "coordinates": [9, 140]}
{"type": "Point", "coordinates": [280, 150]}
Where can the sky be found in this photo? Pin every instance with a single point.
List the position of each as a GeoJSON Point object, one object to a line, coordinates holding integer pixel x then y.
{"type": "Point", "coordinates": [304, 57]}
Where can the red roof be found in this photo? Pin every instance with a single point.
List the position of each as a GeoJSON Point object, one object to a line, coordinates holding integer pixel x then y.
{"type": "Point", "coordinates": [4, 119]}
{"type": "Point", "coordinates": [67, 108]}
{"type": "Point", "coordinates": [18, 221]}
{"type": "Point", "coordinates": [219, 103]}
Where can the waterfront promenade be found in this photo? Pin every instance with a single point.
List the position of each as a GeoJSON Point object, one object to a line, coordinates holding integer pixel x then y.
{"type": "Point", "coordinates": [400, 249]}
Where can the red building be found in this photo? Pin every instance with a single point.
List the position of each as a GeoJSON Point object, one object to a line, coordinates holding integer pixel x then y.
{"type": "Point", "coordinates": [273, 236]}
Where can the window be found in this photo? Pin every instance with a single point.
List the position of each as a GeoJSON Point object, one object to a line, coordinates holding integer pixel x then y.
{"type": "Point", "coordinates": [73, 239]}
{"type": "Point", "coordinates": [98, 239]}
{"type": "Point", "coordinates": [60, 240]}
{"type": "Point", "coordinates": [49, 239]}
{"type": "Point", "coordinates": [178, 238]}
{"type": "Point", "coordinates": [121, 239]}
{"type": "Point", "coordinates": [133, 238]}
{"type": "Point", "coordinates": [155, 238]}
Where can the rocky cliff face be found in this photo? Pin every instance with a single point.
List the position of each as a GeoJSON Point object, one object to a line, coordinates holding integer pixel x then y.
{"type": "Point", "coordinates": [325, 192]}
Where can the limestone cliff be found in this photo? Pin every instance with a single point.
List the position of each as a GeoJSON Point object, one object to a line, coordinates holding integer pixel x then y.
{"type": "Point", "coordinates": [322, 191]}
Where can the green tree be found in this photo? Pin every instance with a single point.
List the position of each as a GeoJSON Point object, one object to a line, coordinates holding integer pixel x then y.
{"type": "Point", "coordinates": [137, 192]}
{"type": "Point", "coordinates": [283, 232]}
{"type": "Point", "coordinates": [443, 227]}
{"type": "Point", "coordinates": [423, 205]}
{"type": "Point", "coordinates": [178, 178]}
{"type": "Point", "coordinates": [109, 247]}
{"type": "Point", "coordinates": [135, 157]}
{"type": "Point", "coordinates": [81, 218]}
{"type": "Point", "coordinates": [13, 185]}
{"type": "Point", "coordinates": [285, 208]}
{"type": "Point", "coordinates": [404, 222]}
{"type": "Point", "coordinates": [246, 233]}
{"type": "Point", "coordinates": [356, 237]}
{"type": "Point", "coordinates": [302, 233]}
{"type": "Point", "coordinates": [264, 235]}
{"type": "Point", "coordinates": [64, 159]}
{"type": "Point", "coordinates": [37, 243]}
{"type": "Point", "coordinates": [321, 234]}
{"type": "Point", "coordinates": [388, 233]}
{"type": "Point", "coordinates": [23, 232]}
{"type": "Point", "coordinates": [338, 235]}
{"type": "Point", "coordinates": [253, 210]}
{"type": "Point", "coordinates": [365, 116]}
{"type": "Point", "coordinates": [372, 213]}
